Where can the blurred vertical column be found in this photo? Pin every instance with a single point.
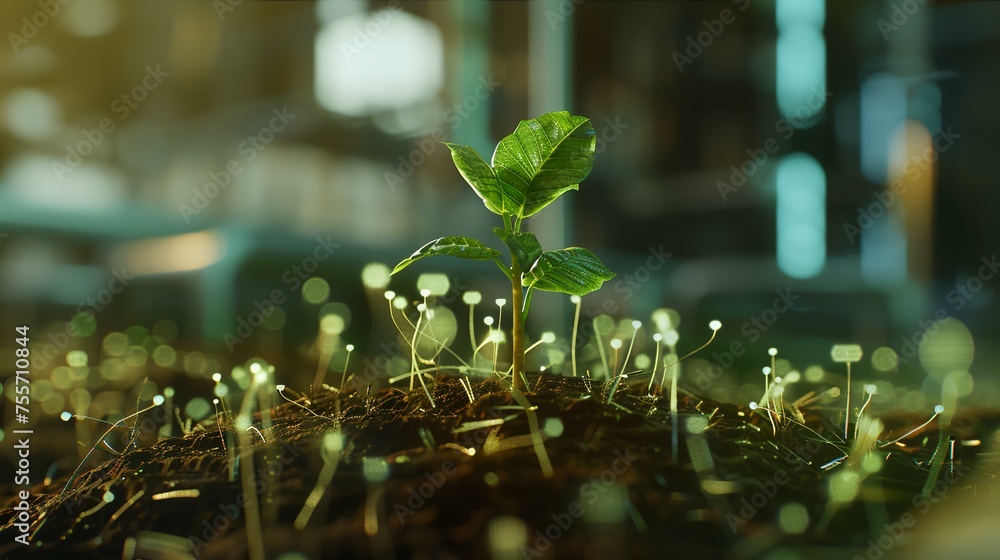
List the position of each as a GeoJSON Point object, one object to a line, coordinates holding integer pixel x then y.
{"type": "Point", "coordinates": [550, 25]}
{"type": "Point", "coordinates": [800, 92]}
{"type": "Point", "coordinates": [469, 53]}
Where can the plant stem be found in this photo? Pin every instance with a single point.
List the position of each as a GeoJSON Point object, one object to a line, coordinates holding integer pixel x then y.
{"type": "Point", "coordinates": [517, 329]}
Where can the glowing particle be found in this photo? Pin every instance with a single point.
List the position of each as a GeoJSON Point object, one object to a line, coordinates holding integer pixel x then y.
{"type": "Point", "coordinates": [548, 337]}
{"type": "Point", "coordinates": [636, 324]}
{"type": "Point", "coordinates": [375, 276]}
{"type": "Point", "coordinates": [715, 325]}
{"type": "Point", "coordinates": [158, 400]}
{"type": "Point", "coordinates": [772, 351]}
{"type": "Point", "coordinates": [472, 297]}
{"type": "Point", "coordinates": [66, 416]}
{"type": "Point", "coordinates": [616, 343]}
{"type": "Point", "coordinates": [938, 409]}
{"type": "Point", "coordinates": [793, 518]}
{"type": "Point", "coordinates": [315, 290]}
{"type": "Point", "coordinates": [389, 295]}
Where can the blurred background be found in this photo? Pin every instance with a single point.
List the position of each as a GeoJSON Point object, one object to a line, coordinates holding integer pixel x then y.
{"type": "Point", "coordinates": [185, 185]}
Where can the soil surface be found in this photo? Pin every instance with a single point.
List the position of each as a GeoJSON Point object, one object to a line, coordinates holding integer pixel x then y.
{"type": "Point", "coordinates": [625, 482]}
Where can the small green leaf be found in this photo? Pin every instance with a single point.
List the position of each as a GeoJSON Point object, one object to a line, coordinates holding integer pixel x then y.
{"type": "Point", "coordinates": [499, 199]}
{"type": "Point", "coordinates": [544, 158]}
{"type": "Point", "coordinates": [573, 271]}
{"type": "Point", "coordinates": [523, 246]}
{"type": "Point", "coordinates": [464, 247]}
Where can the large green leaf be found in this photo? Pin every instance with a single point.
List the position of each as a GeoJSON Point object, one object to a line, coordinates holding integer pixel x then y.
{"type": "Point", "coordinates": [499, 199]}
{"type": "Point", "coordinates": [464, 247]}
{"type": "Point", "coordinates": [573, 271]}
{"type": "Point", "coordinates": [545, 157]}
{"type": "Point", "coordinates": [523, 246]}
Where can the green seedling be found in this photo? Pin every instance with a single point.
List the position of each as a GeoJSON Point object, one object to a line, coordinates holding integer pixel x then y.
{"type": "Point", "coordinates": [544, 158]}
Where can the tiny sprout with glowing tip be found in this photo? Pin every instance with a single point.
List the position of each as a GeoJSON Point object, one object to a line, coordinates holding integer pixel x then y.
{"type": "Point", "coordinates": [753, 405]}
{"type": "Point", "coordinates": [350, 348]}
{"type": "Point", "coordinates": [616, 343]}
{"type": "Point", "coordinates": [389, 295]}
{"type": "Point", "coordinates": [938, 409]}
{"type": "Point", "coordinates": [280, 387]}
{"type": "Point", "coordinates": [66, 416]}
{"type": "Point", "coordinates": [548, 337]}
{"type": "Point", "coordinates": [158, 400]}
{"type": "Point", "coordinates": [488, 321]}
{"type": "Point", "coordinates": [574, 299]}
{"type": "Point", "coordinates": [501, 302]}
{"type": "Point", "coordinates": [715, 325]}
{"type": "Point", "coordinates": [870, 389]}
{"type": "Point", "coordinates": [636, 324]}
{"type": "Point", "coordinates": [657, 337]}
{"type": "Point", "coordinates": [772, 351]}
{"type": "Point", "coordinates": [425, 293]}
{"type": "Point", "coordinates": [217, 377]}
{"type": "Point", "coordinates": [766, 370]}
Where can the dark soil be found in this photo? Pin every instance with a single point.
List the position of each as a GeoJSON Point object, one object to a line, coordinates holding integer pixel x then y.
{"type": "Point", "coordinates": [616, 492]}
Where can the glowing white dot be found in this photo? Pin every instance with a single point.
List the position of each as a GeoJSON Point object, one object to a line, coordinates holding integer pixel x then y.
{"type": "Point", "coordinates": [501, 302]}
{"type": "Point", "coordinates": [216, 377]}
{"type": "Point", "coordinates": [772, 351]}
{"type": "Point", "coordinates": [753, 405]}
{"type": "Point", "coordinates": [158, 400]}
{"type": "Point", "coordinates": [870, 389]}
{"type": "Point", "coordinates": [714, 325]}
{"type": "Point", "coordinates": [215, 401]}
{"type": "Point", "coordinates": [575, 300]}
{"type": "Point", "coordinates": [425, 293]}
{"type": "Point", "coordinates": [260, 377]}
{"type": "Point", "coordinates": [777, 380]}
{"type": "Point", "coordinates": [488, 321]}
{"type": "Point", "coordinates": [108, 497]}
{"type": "Point", "coordinates": [65, 416]}
{"type": "Point", "coordinates": [421, 307]}
{"type": "Point", "coordinates": [636, 324]}
{"type": "Point", "coordinates": [472, 298]}
{"type": "Point", "coordinates": [350, 348]}
{"type": "Point", "coordinates": [671, 337]}
{"type": "Point", "coordinates": [548, 337]}
{"type": "Point", "coordinates": [938, 409]}
{"type": "Point", "coordinates": [657, 337]}
{"type": "Point", "coordinates": [389, 294]}
{"type": "Point", "coordinates": [766, 370]}
{"type": "Point", "coordinates": [280, 387]}
{"type": "Point", "coordinates": [255, 368]}
{"type": "Point", "coordinates": [616, 343]}
{"type": "Point", "coordinates": [399, 302]}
